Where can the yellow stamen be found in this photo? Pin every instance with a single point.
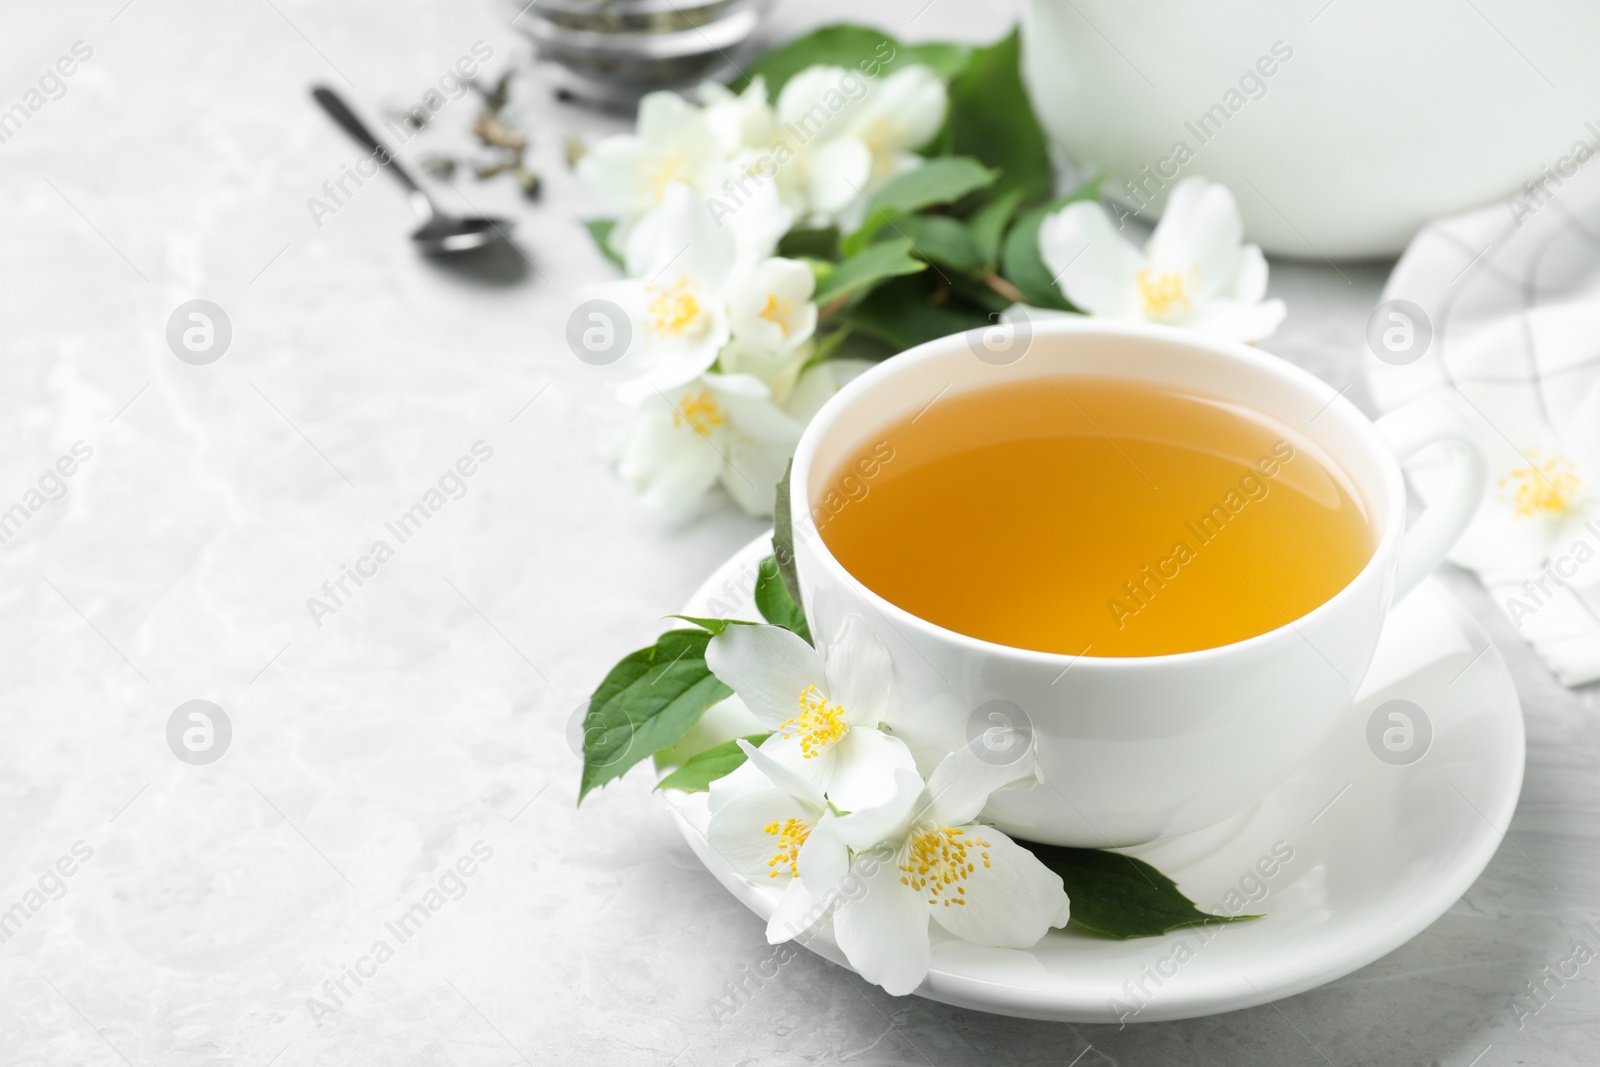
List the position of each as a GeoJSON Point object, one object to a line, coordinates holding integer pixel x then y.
{"type": "Point", "coordinates": [1165, 295]}
{"type": "Point", "coordinates": [1544, 486]}
{"type": "Point", "coordinates": [818, 725]}
{"type": "Point", "coordinates": [673, 309]}
{"type": "Point", "coordinates": [937, 860]}
{"type": "Point", "coordinates": [661, 171]}
{"type": "Point", "coordinates": [882, 137]}
{"type": "Point", "coordinates": [776, 311]}
{"type": "Point", "coordinates": [700, 411]}
{"type": "Point", "coordinates": [791, 834]}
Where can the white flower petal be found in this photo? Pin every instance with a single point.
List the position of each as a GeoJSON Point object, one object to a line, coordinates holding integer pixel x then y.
{"type": "Point", "coordinates": [1092, 265]}
{"type": "Point", "coordinates": [865, 762]}
{"type": "Point", "coordinates": [797, 912]}
{"type": "Point", "coordinates": [1499, 541]}
{"type": "Point", "coordinates": [757, 441]}
{"type": "Point", "coordinates": [611, 168]}
{"type": "Point", "coordinates": [752, 472]}
{"type": "Point", "coordinates": [1250, 283]}
{"type": "Point", "coordinates": [837, 174]}
{"type": "Point", "coordinates": [732, 387]}
{"type": "Point", "coordinates": [665, 117]}
{"type": "Point", "coordinates": [742, 779]}
{"type": "Point", "coordinates": [903, 111]}
{"type": "Point", "coordinates": [806, 90]}
{"type": "Point", "coordinates": [960, 786]}
{"type": "Point", "coordinates": [768, 667]}
{"type": "Point", "coordinates": [868, 827]}
{"type": "Point", "coordinates": [824, 860]}
{"type": "Point", "coordinates": [636, 240]}
{"type": "Point", "coordinates": [860, 672]}
{"type": "Point", "coordinates": [1010, 902]}
{"type": "Point", "coordinates": [737, 121]}
{"type": "Point", "coordinates": [816, 769]}
{"type": "Point", "coordinates": [690, 244]}
{"type": "Point", "coordinates": [770, 305]}
{"type": "Point", "coordinates": [750, 410]}
{"type": "Point", "coordinates": [1199, 238]}
{"type": "Point", "coordinates": [1235, 320]}
{"type": "Point", "coordinates": [682, 146]}
{"type": "Point", "coordinates": [817, 384]}
{"type": "Point", "coordinates": [738, 832]}
{"type": "Point", "coordinates": [672, 144]}
{"type": "Point", "coordinates": [752, 210]}
{"type": "Point", "coordinates": [666, 464]}
{"type": "Point", "coordinates": [886, 166]}
{"type": "Point", "coordinates": [674, 365]}
{"type": "Point", "coordinates": [1573, 529]}
{"type": "Point", "coordinates": [931, 728]}
{"type": "Point", "coordinates": [776, 370]}
{"type": "Point", "coordinates": [714, 94]}
{"type": "Point", "coordinates": [678, 313]}
{"type": "Point", "coordinates": [1581, 440]}
{"type": "Point", "coordinates": [883, 932]}
{"type": "Point", "coordinates": [782, 775]}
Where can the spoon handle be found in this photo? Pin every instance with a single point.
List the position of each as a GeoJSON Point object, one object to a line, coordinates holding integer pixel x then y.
{"type": "Point", "coordinates": [341, 113]}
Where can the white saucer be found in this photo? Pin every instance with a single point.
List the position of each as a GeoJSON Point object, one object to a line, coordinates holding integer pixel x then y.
{"type": "Point", "coordinates": [1379, 850]}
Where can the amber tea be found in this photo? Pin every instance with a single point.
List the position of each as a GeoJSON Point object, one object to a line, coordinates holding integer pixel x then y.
{"type": "Point", "coordinates": [1102, 517]}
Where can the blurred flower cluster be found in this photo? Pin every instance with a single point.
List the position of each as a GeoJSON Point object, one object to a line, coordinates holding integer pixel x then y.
{"type": "Point", "coordinates": [722, 328]}
{"type": "Point", "coordinates": [850, 198]}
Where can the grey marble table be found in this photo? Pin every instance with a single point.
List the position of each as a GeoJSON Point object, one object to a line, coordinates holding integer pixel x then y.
{"type": "Point", "coordinates": [409, 744]}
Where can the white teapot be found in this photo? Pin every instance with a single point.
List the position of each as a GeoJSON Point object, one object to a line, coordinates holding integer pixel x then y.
{"type": "Point", "coordinates": [1340, 125]}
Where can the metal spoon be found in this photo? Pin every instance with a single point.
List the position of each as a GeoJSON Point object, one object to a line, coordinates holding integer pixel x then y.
{"type": "Point", "coordinates": [439, 232]}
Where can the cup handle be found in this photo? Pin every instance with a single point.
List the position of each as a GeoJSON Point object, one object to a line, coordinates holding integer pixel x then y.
{"type": "Point", "coordinates": [1409, 430]}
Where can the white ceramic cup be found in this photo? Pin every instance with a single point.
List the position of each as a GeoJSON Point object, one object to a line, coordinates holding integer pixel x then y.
{"type": "Point", "coordinates": [1132, 749]}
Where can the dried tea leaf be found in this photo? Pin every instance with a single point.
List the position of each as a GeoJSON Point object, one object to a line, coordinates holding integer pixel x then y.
{"type": "Point", "coordinates": [493, 132]}
{"type": "Point", "coordinates": [439, 166]}
{"type": "Point", "coordinates": [528, 180]}
{"type": "Point", "coordinates": [414, 118]}
{"type": "Point", "coordinates": [496, 98]}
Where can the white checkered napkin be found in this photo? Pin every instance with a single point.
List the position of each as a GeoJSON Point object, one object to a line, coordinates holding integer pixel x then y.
{"type": "Point", "coordinates": [1512, 295]}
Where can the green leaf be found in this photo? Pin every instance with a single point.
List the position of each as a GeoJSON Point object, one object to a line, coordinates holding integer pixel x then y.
{"type": "Point", "coordinates": [941, 239]}
{"type": "Point", "coordinates": [783, 538]}
{"type": "Point", "coordinates": [887, 259]}
{"type": "Point", "coordinates": [600, 232]}
{"type": "Point", "coordinates": [862, 48]}
{"type": "Point", "coordinates": [865, 348]}
{"type": "Point", "coordinates": [713, 626]}
{"type": "Point", "coordinates": [840, 45]}
{"type": "Point", "coordinates": [775, 603]}
{"type": "Point", "coordinates": [647, 702]}
{"type": "Point", "coordinates": [946, 58]}
{"type": "Point", "coordinates": [938, 181]}
{"type": "Point", "coordinates": [1121, 897]}
{"type": "Point", "coordinates": [992, 120]}
{"type": "Point", "coordinates": [821, 269]}
{"type": "Point", "coordinates": [810, 244]}
{"type": "Point", "coordinates": [825, 345]}
{"type": "Point", "coordinates": [1020, 261]}
{"type": "Point", "coordinates": [976, 292]}
{"type": "Point", "coordinates": [988, 224]}
{"type": "Point", "coordinates": [699, 771]}
{"type": "Point", "coordinates": [900, 315]}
